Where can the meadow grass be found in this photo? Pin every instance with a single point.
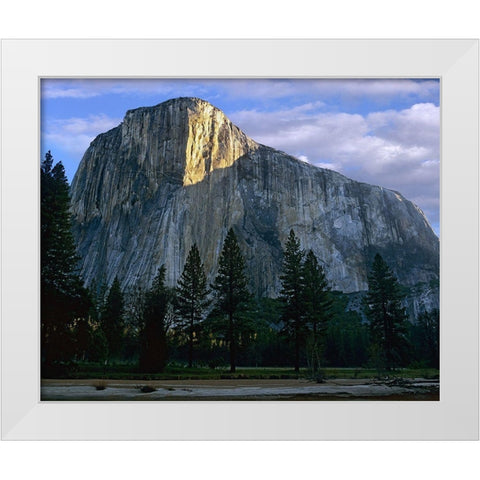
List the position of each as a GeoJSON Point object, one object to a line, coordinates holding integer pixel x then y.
{"type": "Point", "coordinates": [178, 372]}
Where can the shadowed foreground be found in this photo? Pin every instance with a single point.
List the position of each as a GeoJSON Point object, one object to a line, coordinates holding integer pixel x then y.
{"type": "Point", "coordinates": [239, 390]}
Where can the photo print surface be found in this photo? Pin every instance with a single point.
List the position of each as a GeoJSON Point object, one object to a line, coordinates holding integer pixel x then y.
{"type": "Point", "coordinates": [240, 239]}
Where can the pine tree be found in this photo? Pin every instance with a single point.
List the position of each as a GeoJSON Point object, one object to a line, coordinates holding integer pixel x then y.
{"type": "Point", "coordinates": [317, 303]}
{"type": "Point", "coordinates": [292, 293]}
{"type": "Point", "coordinates": [231, 290]}
{"type": "Point", "coordinates": [153, 336]}
{"type": "Point", "coordinates": [58, 253]}
{"type": "Point", "coordinates": [63, 298]}
{"type": "Point", "coordinates": [191, 296]}
{"type": "Point", "coordinates": [112, 319]}
{"type": "Point", "coordinates": [386, 314]}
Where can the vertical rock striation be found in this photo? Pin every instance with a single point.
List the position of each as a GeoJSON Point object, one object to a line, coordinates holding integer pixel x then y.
{"type": "Point", "coordinates": [181, 172]}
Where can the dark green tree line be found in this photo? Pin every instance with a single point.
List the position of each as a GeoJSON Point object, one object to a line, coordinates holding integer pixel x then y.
{"type": "Point", "coordinates": [347, 338]}
{"type": "Point", "coordinates": [425, 339]}
{"type": "Point", "coordinates": [319, 327]}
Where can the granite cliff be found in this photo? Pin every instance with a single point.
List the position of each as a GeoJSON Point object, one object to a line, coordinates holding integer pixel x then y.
{"type": "Point", "coordinates": [181, 172]}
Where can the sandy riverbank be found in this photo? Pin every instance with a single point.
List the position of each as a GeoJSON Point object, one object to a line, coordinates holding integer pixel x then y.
{"type": "Point", "coordinates": [241, 389]}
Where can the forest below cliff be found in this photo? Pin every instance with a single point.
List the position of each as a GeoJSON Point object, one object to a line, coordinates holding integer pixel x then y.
{"type": "Point", "coordinates": [141, 330]}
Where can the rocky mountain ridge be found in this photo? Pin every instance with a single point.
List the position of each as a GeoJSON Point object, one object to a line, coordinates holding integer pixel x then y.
{"type": "Point", "coordinates": [181, 172]}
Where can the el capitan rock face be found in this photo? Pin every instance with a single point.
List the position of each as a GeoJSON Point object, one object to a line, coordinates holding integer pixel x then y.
{"type": "Point", "coordinates": [181, 172]}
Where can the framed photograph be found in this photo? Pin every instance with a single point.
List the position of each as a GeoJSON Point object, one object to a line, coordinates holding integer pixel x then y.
{"type": "Point", "coordinates": [298, 133]}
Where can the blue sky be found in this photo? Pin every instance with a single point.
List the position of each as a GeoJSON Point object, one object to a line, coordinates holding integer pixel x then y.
{"type": "Point", "coordinates": [380, 131]}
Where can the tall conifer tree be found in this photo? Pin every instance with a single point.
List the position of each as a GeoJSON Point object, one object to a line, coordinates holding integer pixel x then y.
{"type": "Point", "coordinates": [231, 290]}
{"type": "Point", "coordinates": [386, 314]}
{"type": "Point", "coordinates": [191, 296]}
{"type": "Point", "coordinates": [292, 293]}
{"type": "Point", "coordinates": [63, 298]}
{"type": "Point", "coordinates": [316, 303]}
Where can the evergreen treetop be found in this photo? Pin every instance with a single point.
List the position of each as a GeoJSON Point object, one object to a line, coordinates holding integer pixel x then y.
{"type": "Point", "coordinates": [192, 287]}
{"type": "Point", "coordinates": [292, 274]}
{"type": "Point", "coordinates": [230, 283]}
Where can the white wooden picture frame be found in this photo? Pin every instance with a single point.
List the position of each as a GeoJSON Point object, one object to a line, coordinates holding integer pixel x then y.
{"type": "Point", "coordinates": [455, 416]}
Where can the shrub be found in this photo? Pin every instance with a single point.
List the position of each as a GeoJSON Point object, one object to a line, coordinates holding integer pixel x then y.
{"type": "Point", "coordinates": [147, 389]}
{"type": "Point", "coordinates": [100, 385]}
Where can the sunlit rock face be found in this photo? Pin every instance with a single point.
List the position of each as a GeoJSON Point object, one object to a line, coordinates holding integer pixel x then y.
{"type": "Point", "coordinates": [181, 173]}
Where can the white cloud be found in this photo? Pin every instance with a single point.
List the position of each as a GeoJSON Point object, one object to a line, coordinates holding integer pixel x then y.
{"type": "Point", "coordinates": [58, 92]}
{"type": "Point", "coordinates": [75, 134]}
{"type": "Point", "coordinates": [56, 88]}
{"type": "Point", "coordinates": [416, 126]}
{"type": "Point", "coordinates": [373, 89]}
{"type": "Point", "coordinates": [381, 87]}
